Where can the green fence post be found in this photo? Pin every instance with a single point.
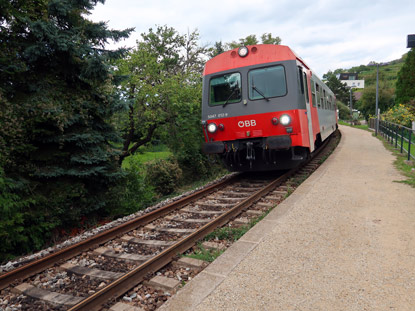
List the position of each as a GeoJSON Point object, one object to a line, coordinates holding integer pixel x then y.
{"type": "Point", "coordinates": [396, 136]}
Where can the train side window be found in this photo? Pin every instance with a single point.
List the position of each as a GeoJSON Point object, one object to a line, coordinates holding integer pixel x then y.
{"type": "Point", "coordinates": [225, 89]}
{"type": "Point", "coordinates": [306, 88]}
{"type": "Point", "coordinates": [321, 98]}
{"type": "Point", "coordinates": [313, 92]}
{"type": "Point", "coordinates": [318, 95]}
{"type": "Point", "coordinates": [324, 100]}
{"type": "Point", "coordinates": [300, 80]}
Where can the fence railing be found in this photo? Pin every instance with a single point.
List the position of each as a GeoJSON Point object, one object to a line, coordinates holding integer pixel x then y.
{"type": "Point", "coordinates": [400, 136]}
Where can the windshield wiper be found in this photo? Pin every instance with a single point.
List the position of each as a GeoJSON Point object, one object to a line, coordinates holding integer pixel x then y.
{"type": "Point", "coordinates": [259, 92]}
{"type": "Point", "coordinates": [232, 93]}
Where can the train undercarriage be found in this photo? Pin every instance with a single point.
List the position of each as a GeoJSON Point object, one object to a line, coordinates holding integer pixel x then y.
{"type": "Point", "coordinates": [261, 154]}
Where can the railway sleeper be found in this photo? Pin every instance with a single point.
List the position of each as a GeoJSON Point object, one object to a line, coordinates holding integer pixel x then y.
{"type": "Point", "coordinates": [234, 194]}
{"type": "Point", "coordinates": [189, 220]}
{"type": "Point", "coordinates": [94, 273]}
{"type": "Point", "coordinates": [171, 230]}
{"type": "Point", "coordinates": [123, 256]}
{"type": "Point", "coordinates": [254, 213]}
{"type": "Point", "coordinates": [48, 296]}
{"type": "Point", "coordinates": [213, 245]}
{"type": "Point", "coordinates": [191, 263]}
{"type": "Point", "coordinates": [163, 283]}
{"type": "Point", "coordinates": [120, 306]}
{"type": "Point", "coordinates": [134, 240]}
{"type": "Point", "coordinates": [245, 189]}
{"type": "Point", "coordinates": [273, 197]}
{"type": "Point", "coordinates": [214, 205]}
{"type": "Point", "coordinates": [224, 200]}
{"type": "Point", "coordinates": [241, 221]}
{"type": "Point", "coordinates": [265, 204]}
{"type": "Point", "coordinates": [188, 210]}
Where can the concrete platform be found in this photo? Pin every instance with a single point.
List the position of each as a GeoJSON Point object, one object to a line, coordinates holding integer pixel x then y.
{"type": "Point", "coordinates": [344, 240]}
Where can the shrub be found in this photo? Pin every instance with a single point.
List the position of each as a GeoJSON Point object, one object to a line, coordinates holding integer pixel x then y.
{"type": "Point", "coordinates": [344, 111]}
{"type": "Point", "coordinates": [133, 193]}
{"type": "Point", "coordinates": [163, 175]}
{"type": "Point", "coordinates": [194, 163]}
{"type": "Point", "coordinates": [400, 114]}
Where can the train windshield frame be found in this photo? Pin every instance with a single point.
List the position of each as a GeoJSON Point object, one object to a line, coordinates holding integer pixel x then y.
{"type": "Point", "coordinates": [225, 89]}
{"type": "Point", "coordinates": [267, 82]}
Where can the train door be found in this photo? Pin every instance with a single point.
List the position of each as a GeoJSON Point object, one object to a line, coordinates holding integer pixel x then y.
{"type": "Point", "coordinates": [307, 104]}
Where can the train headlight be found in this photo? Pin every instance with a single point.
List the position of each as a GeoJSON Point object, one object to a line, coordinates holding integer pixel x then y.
{"type": "Point", "coordinates": [243, 51]}
{"type": "Point", "coordinates": [212, 127]}
{"type": "Point", "coordinates": [285, 119]}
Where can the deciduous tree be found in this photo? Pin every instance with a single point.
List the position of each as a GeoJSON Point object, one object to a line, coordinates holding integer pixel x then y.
{"type": "Point", "coordinates": [266, 38]}
{"type": "Point", "coordinates": [164, 72]}
{"type": "Point", "coordinates": [405, 85]}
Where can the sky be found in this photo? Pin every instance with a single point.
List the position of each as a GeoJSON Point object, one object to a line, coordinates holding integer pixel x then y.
{"type": "Point", "coordinates": [326, 34]}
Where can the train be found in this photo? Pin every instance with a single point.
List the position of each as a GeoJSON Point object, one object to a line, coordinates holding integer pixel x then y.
{"type": "Point", "coordinates": [263, 108]}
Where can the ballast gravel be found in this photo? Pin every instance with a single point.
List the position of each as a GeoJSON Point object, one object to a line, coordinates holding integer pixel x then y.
{"type": "Point", "coordinates": [26, 259]}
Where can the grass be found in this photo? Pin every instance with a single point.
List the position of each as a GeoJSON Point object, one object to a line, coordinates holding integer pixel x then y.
{"type": "Point", "coordinates": [204, 254]}
{"type": "Point", "coordinates": [234, 234]}
{"type": "Point", "coordinates": [228, 233]}
{"type": "Point", "coordinates": [362, 127]}
{"type": "Point", "coordinates": [144, 157]}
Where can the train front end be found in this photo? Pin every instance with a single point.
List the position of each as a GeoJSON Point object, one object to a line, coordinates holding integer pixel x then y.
{"type": "Point", "coordinates": [253, 113]}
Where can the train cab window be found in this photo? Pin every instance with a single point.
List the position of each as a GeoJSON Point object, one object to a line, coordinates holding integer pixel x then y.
{"type": "Point", "coordinates": [225, 89]}
{"type": "Point", "coordinates": [313, 93]}
{"type": "Point", "coordinates": [267, 82]}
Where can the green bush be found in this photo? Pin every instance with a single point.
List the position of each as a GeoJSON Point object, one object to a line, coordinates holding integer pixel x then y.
{"type": "Point", "coordinates": [15, 219]}
{"type": "Point", "coordinates": [194, 163]}
{"type": "Point", "coordinates": [344, 111]}
{"type": "Point", "coordinates": [163, 175]}
{"type": "Point", "coordinates": [401, 114]}
{"type": "Point", "coordinates": [133, 193]}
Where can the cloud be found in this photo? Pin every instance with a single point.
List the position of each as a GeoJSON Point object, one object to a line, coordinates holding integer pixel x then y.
{"type": "Point", "coordinates": [327, 34]}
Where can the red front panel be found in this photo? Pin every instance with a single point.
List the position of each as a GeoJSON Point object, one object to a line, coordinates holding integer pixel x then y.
{"type": "Point", "coordinates": [260, 125]}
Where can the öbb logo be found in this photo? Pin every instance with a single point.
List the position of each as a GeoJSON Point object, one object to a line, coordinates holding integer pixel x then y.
{"type": "Point", "coordinates": [247, 123]}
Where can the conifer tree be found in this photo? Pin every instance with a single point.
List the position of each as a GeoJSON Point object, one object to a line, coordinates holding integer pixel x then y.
{"type": "Point", "coordinates": [56, 97]}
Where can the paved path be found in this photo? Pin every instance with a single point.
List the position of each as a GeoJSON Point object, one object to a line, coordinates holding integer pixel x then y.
{"type": "Point", "coordinates": [345, 240]}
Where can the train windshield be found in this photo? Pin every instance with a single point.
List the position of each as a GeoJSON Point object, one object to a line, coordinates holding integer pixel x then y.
{"type": "Point", "coordinates": [267, 82]}
{"type": "Point", "coordinates": [225, 89]}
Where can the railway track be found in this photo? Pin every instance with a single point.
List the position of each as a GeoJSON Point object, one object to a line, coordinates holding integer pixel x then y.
{"type": "Point", "coordinates": [91, 274]}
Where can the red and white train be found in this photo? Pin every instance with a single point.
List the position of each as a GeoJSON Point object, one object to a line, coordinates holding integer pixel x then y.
{"type": "Point", "coordinates": [264, 109]}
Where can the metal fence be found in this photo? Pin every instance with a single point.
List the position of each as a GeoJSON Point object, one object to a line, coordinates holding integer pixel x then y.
{"type": "Point", "coordinates": [400, 136]}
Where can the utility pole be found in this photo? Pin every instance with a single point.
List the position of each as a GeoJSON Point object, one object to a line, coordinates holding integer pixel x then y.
{"type": "Point", "coordinates": [351, 105]}
{"type": "Point", "coordinates": [377, 100]}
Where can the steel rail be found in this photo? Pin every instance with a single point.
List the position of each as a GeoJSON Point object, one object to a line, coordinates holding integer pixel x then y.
{"type": "Point", "coordinates": [129, 280]}
{"type": "Point", "coordinates": [41, 264]}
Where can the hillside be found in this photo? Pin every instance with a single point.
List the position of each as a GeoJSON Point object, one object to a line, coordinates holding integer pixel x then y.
{"type": "Point", "coordinates": [388, 72]}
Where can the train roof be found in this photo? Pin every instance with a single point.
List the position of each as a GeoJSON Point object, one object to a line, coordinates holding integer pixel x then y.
{"type": "Point", "coordinates": [258, 54]}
